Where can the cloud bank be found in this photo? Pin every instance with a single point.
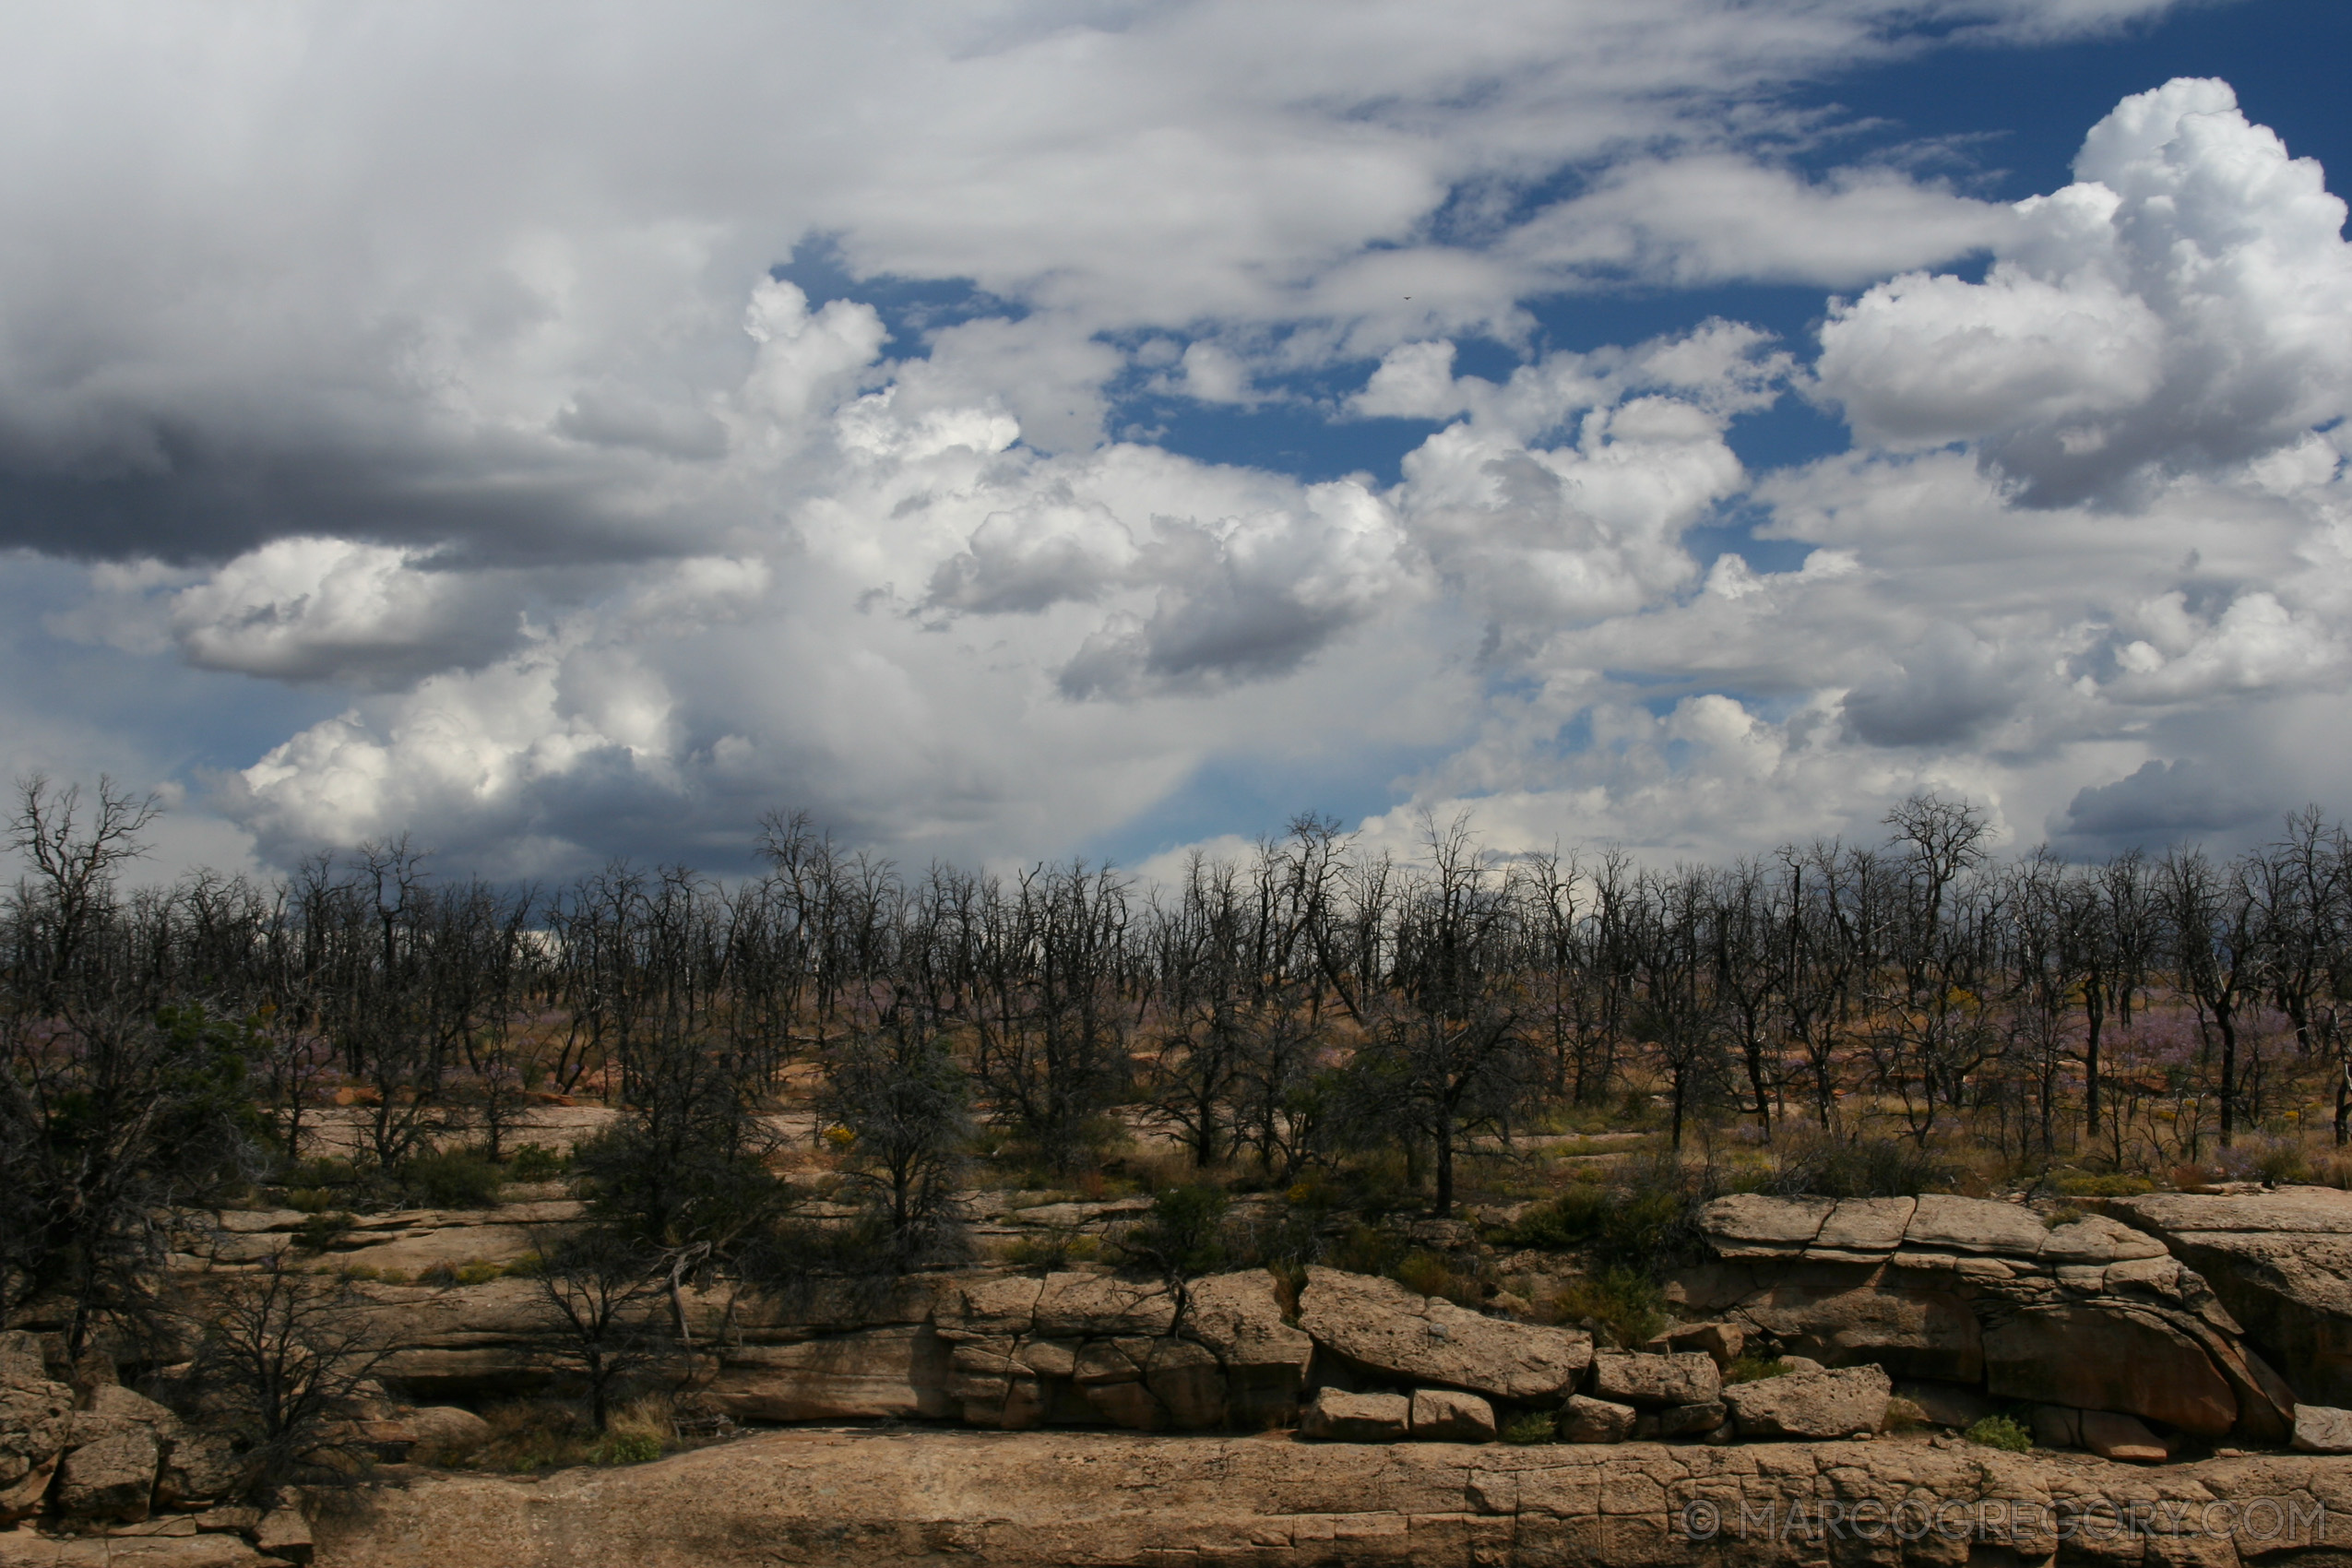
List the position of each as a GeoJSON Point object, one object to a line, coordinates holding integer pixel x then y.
{"type": "Point", "coordinates": [460, 393]}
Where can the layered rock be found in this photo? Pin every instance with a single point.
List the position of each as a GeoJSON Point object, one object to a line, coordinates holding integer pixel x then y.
{"type": "Point", "coordinates": [1090, 1349]}
{"type": "Point", "coordinates": [1379, 1326]}
{"type": "Point", "coordinates": [2280, 1262]}
{"type": "Point", "coordinates": [2088, 1313]}
{"type": "Point", "coordinates": [1047, 1500]}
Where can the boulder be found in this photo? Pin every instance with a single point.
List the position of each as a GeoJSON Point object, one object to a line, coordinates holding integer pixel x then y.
{"type": "Point", "coordinates": [1721, 1342]}
{"type": "Point", "coordinates": [111, 1477]}
{"type": "Point", "coordinates": [284, 1533]}
{"type": "Point", "coordinates": [1586, 1420]}
{"type": "Point", "coordinates": [2124, 1437]}
{"type": "Point", "coordinates": [1442, 1415]}
{"type": "Point", "coordinates": [1914, 1322]}
{"type": "Point", "coordinates": [35, 1417]}
{"type": "Point", "coordinates": [2320, 1428]}
{"type": "Point", "coordinates": [2097, 1357]}
{"type": "Point", "coordinates": [447, 1431]}
{"type": "Point", "coordinates": [1338, 1416]}
{"type": "Point", "coordinates": [1832, 1403]}
{"type": "Point", "coordinates": [1267, 1361]}
{"type": "Point", "coordinates": [2056, 1426]}
{"type": "Point", "coordinates": [2281, 1264]}
{"type": "Point", "coordinates": [1751, 1224]}
{"type": "Point", "coordinates": [1635, 1378]}
{"type": "Point", "coordinates": [1185, 1378]}
{"type": "Point", "coordinates": [1946, 1224]}
{"type": "Point", "coordinates": [1129, 1405]}
{"type": "Point", "coordinates": [1947, 1405]}
{"type": "Point", "coordinates": [1379, 1324]}
{"type": "Point", "coordinates": [201, 1468]}
{"type": "Point", "coordinates": [1076, 1306]}
{"type": "Point", "coordinates": [1690, 1420]}
{"type": "Point", "coordinates": [1866, 1225]}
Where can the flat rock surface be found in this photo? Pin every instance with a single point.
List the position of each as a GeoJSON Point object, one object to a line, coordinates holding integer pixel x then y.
{"type": "Point", "coordinates": [991, 1499]}
{"type": "Point", "coordinates": [1422, 1339]}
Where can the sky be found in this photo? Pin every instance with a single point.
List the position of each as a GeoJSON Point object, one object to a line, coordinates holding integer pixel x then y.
{"type": "Point", "coordinates": [1022, 428]}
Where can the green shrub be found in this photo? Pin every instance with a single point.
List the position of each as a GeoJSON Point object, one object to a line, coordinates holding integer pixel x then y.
{"type": "Point", "coordinates": [536, 1162]}
{"type": "Point", "coordinates": [2073, 1183]}
{"type": "Point", "coordinates": [2002, 1431]}
{"type": "Point", "coordinates": [1864, 1168]}
{"type": "Point", "coordinates": [452, 1179]}
{"type": "Point", "coordinates": [1426, 1274]}
{"type": "Point", "coordinates": [530, 1265]}
{"type": "Point", "coordinates": [1365, 1249]}
{"type": "Point", "coordinates": [1755, 1369]}
{"type": "Point", "coordinates": [2282, 1161]}
{"type": "Point", "coordinates": [1532, 1427]}
{"type": "Point", "coordinates": [1639, 1224]}
{"type": "Point", "coordinates": [1626, 1305]}
{"type": "Point", "coordinates": [1049, 1249]}
{"type": "Point", "coordinates": [321, 1232]}
{"type": "Point", "coordinates": [627, 1448]}
{"type": "Point", "coordinates": [324, 1171]}
{"type": "Point", "coordinates": [477, 1272]}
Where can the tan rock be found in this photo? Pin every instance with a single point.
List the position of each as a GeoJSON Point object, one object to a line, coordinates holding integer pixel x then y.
{"type": "Point", "coordinates": [1866, 1225]}
{"type": "Point", "coordinates": [284, 1533]}
{"type": "Point", "coordinates": [2320, 1428]}
{"type": "Point", "coordinates": [447, 1431]}
{"type": "Point", "coordinates": [1587, 1419]}
{"type": "Point", "coordinates": [1186, 1379]}
{"type": "Point", "coordinates": [1915, 1323]}
{"type": "Point", "coordinates": [1692, 1421]}
{"type": "Point", "coordinates": [1635, 1378]}
{"type": "Point", "coordinates": [2123, 1438]}
{"type": "Point", "coordinates": [2097, 1357]}
{"type": "Point", "coordinates": [1130, 1405]}
{"type": "Point", "coordinates": [2280, 1263]}
{"type": "Point", "coordinates": [2095, 1239]}
{"type": "Point", "coordinates": [1442, 1415]}
{"type": "Point", "coordinates": [24, 1549]}
{"type": "Point", "coordinates": [1076, 1306]}
{"type": "Point", "coordinates": [1751, 1224]}
{"type": "Point", "coordinates": [1003, 1307]}
{"type": "Point", "coordinates": [1836, 1402]}
{"type": "Point", "coordinates": [112, 1477]}
{"type": "Point", "coordinates": [1011, 1500]}
{"type": "Point", "coordinates": [1946, 1224]}
{"type": "Point", "coordinates": [1721, 1342]}
{"type": "Point", "coordinates": [1267, 1361]}
{"type": "Point", "coordinates": [1101, 1361]}
{"type": "Point", "coordinates": [1339, 1416]}
{"type": "Point", "coordinates": [1377, 1323]}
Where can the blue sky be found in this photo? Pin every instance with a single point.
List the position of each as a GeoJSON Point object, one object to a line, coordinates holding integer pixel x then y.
{"type": "Point", "coordinates": [1111, 428]}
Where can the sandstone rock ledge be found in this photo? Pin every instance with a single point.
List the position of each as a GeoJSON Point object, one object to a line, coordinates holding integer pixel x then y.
{"type": "Point", "coordinates": [1043, 1500]}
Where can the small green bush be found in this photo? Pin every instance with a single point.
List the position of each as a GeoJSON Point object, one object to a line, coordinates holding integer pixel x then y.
{"type": "Point", "coordinates": [536, 1162]}
{"type": "Point", "coordinates": [1755, 1369]}
{"type": "Point", "coordinates": [1049, 1249]}
{"type": "Point", "coordinates": [453, 1178]}
{"type": "Point", "coordinates": [530, 1265]}
{"type": "Point", "coordinates": [2073, 1183]}
{"type": "Point", "coordinates": [1627, 1305]}
{"type": "Point", "coordinates": [1365, 1249]}
{"type": "Point", "coordinates": [627, 1448]}
{"type": "Point", "coordinates": [1529, 1427]}
{"type": "Point", "coordinates": [2005, 1432]}
{"type": "Point", "coordinates": [1426, 1274]}
{"type": "Point", "coordinates": [321, 1232]}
